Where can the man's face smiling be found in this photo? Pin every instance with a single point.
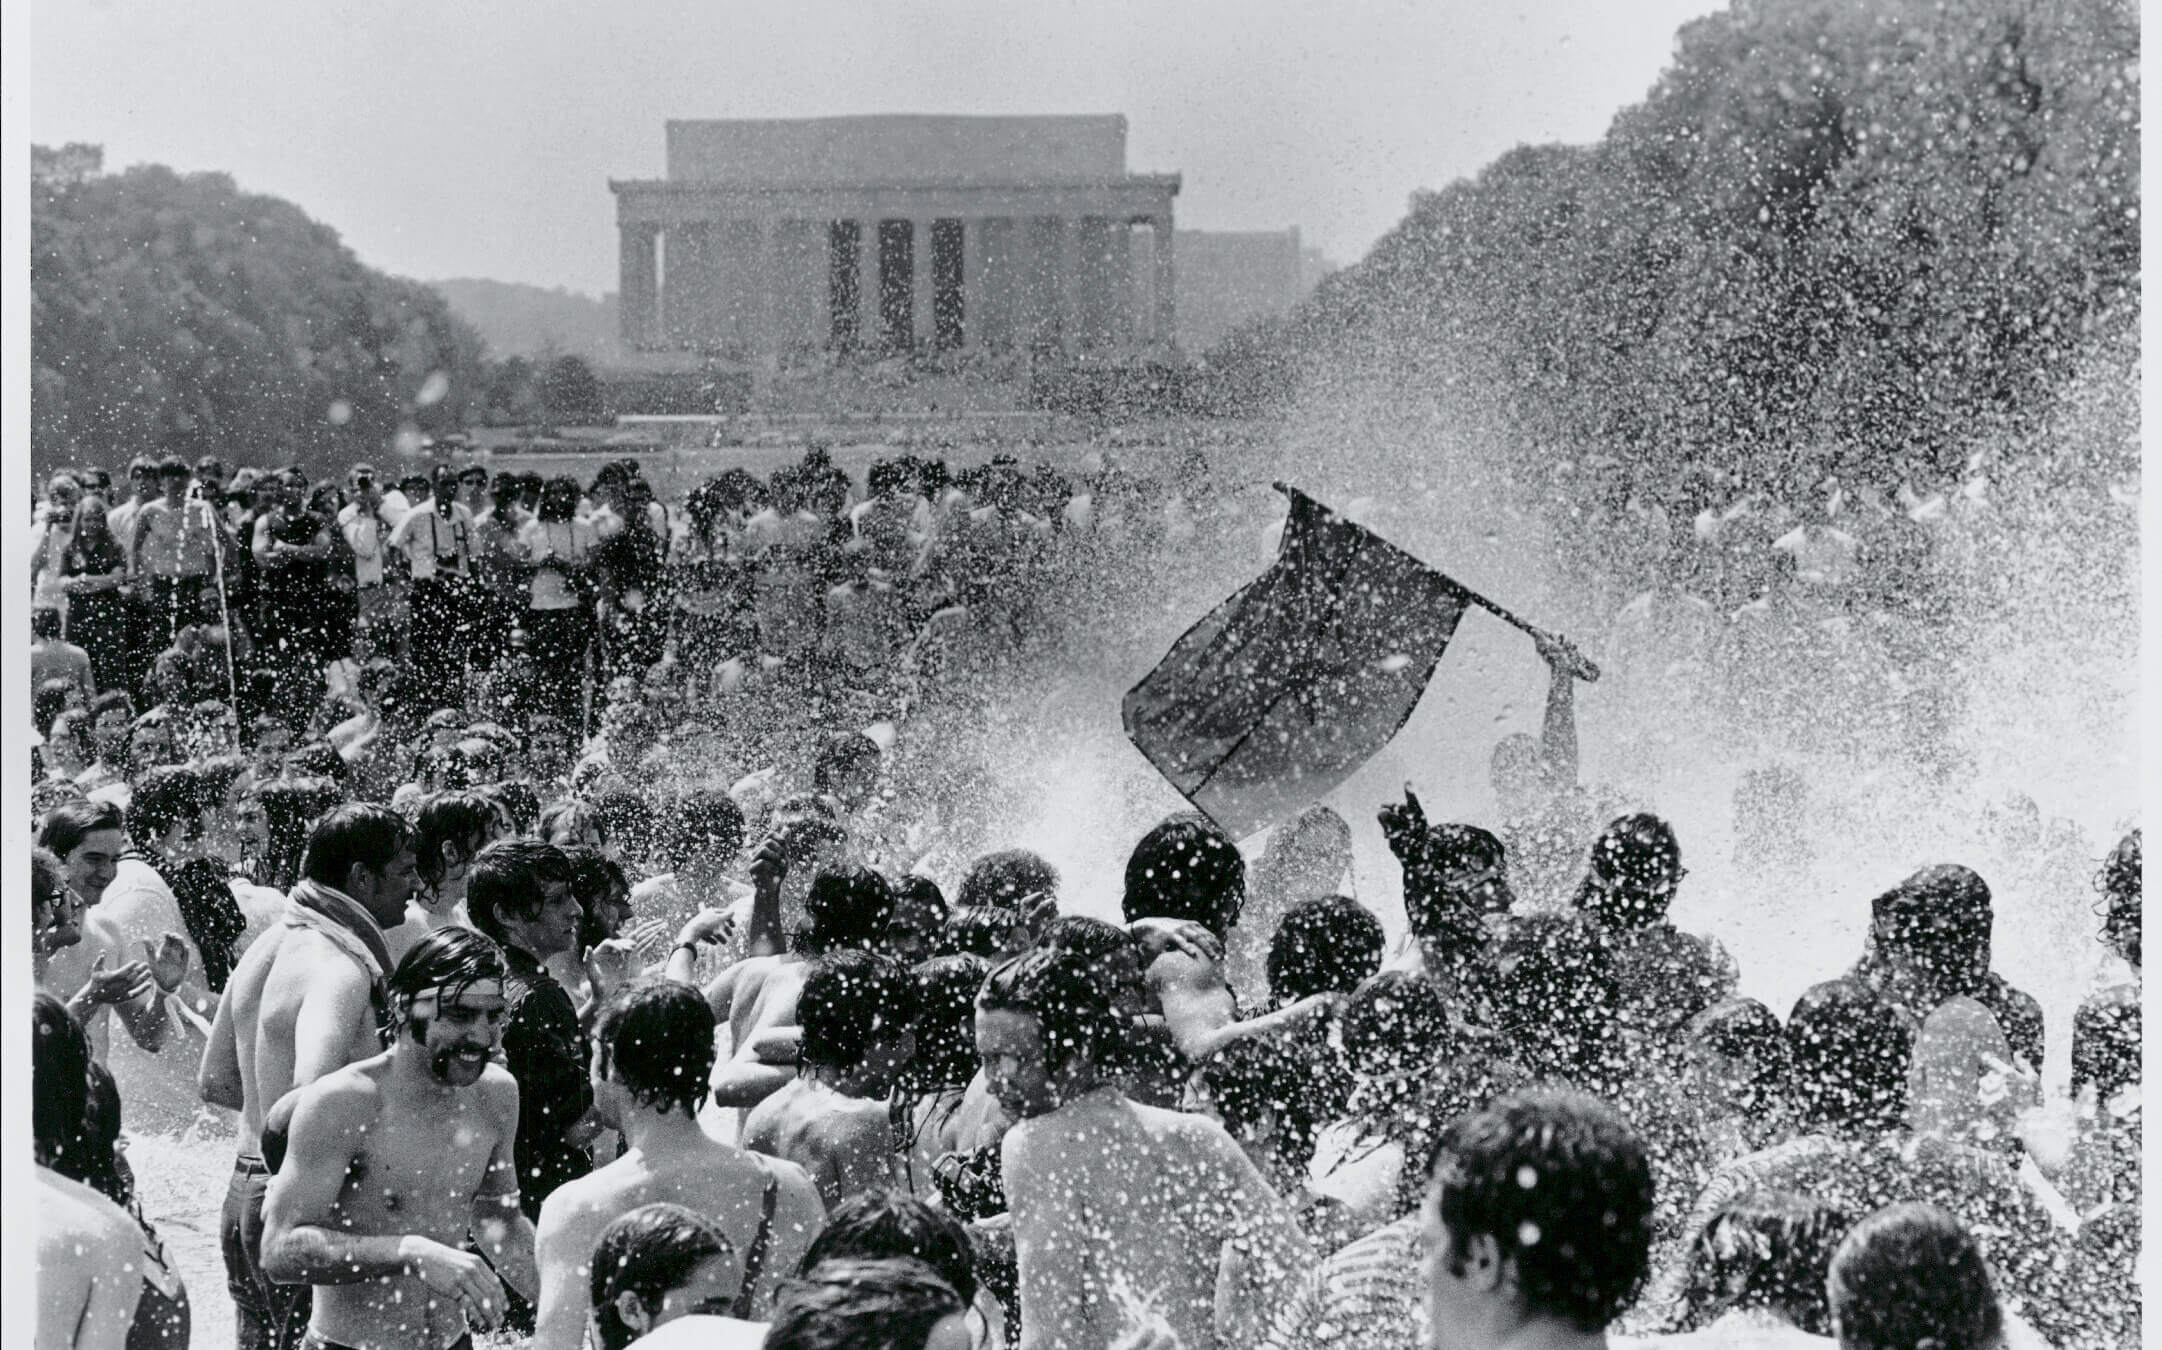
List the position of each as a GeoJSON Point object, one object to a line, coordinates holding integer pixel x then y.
{"type": "Point", "coordinates": [94, 864]}
{"type": "Point", "coordinates": [459, 1035]}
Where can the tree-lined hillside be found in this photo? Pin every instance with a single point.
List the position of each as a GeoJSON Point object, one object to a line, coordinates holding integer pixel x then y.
{"type": "Point", "coordinates": [1834, 238]}
{"type": "Point", "coordinates": [175, 312]}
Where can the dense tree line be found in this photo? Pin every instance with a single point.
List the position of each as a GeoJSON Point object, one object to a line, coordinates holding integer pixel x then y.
{"type": "Point", "coordinates": [1834, 238]}
{"type": "Point", "coordinates": [175, 312]}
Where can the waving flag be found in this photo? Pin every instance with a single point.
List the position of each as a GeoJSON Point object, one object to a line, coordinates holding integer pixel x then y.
{"type": "Point", "coordinates": [1286, 688]}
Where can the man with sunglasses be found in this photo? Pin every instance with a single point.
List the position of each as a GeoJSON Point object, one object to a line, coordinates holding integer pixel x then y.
{"type": "Point", "coordinates": [1664, 976]}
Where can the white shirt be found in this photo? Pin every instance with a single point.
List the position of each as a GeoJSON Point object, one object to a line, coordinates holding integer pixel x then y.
{"type": "Point", "coordinates": [367, 535]}
{"type": "Point", "coordinates": [427, 535]}
{"type": "Point", "coordinates": [543, 540]}
{"type": "Point", "coordinates": [702, 1331]}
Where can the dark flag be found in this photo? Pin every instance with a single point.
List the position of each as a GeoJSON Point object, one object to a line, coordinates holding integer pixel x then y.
{"type": "Point", "coordinates": [1286, 688]}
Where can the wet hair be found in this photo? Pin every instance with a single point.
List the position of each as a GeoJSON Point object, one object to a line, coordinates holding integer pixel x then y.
{"type": "Point", "coordinates": [461, 818]}
{"type": "Point", "coordinates": [59, 1080]}
{"type": "Point", "coordinates": [1323, 946]}
{"type": "Point", "coordinates": [920, 890]}
{"type": "Point", "coordinates": [1065, 993]}
{"type": "Point", "coordinates": [648, 1252]}
{"type": "Point", "coordinates": [569, 816]}
{"type": "Point", "coordinates": [886, 1223]}
{"type": "Point", "coordinates": [656, 1038]}
{"type": "Point", "coordinates": [846, 907]}
{"type": "Point", "coordinates": [45, 623]}
{"type": "Point", "coordinates": [1942, 915]}
{"type": "Point", "coordinates": [979, 930]}
{"type": "Point", "coordinates": [68, 824]}
{"type": "Point", "coordinates": [1006, 878]}
{"type": "Point", "coordinates": [945, 1021]}
{"type": "Point", "coordinates": [841, 756]}
{"type": "Point", "coordinates": [1185, 868]}
{"type": "Point", "coordinates": [2120, 884]}
{"type": "Point", "coordinates": [1763, 1251]}
{"type": "Point", "coordinates": [594, 876]}
{"type": "Point", "coordinates": [626, 816]}
{"type": "Point", "coordinates": [358, 834]}
{"type": "Point", "coordinates": [518, 801]}
{"type": "Point", "coordinates": [1850, 1050]}
{"type": "Point", "coordinates": [52, 698]}
{"type": "Point", "coordinates": [1396, 1022]}
{"type": "Point", "coordinates": [703, 823]}
{"type": "Point", "coordinates": [1551, 985]}
{"type": "Point", "coordinates": [558, 499]}
{"type": "Point", "coordinates": [1561, 1185]}
{"type": "Point", "coordinates": [1633, 863]}
{"type": "Point", "coordinates": [48, 877]}
{"type": "Point", "coordinates": [2106, 1046]}
{"type": "Point", "coordinates": [849, 997]}
{"type": "Point", "coordinates": [291, 808]}
{"type": "Point", "coordinates": [506, 879]}
{"type": "Point", "coordinates": [109, 701]}
{"type": "Point", "coordinates": [1744, 1029]}
{"type": "Point", "coordinates": [1253, 1076]}
{"type": "Point", "coordinates": [1910, 1277]}
{"type": "Point", "coordinates": [861, 1305]}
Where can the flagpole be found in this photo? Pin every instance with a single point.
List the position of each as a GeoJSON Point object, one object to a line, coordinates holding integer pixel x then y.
{"type": "Point", "coordinates": [1574, 662]}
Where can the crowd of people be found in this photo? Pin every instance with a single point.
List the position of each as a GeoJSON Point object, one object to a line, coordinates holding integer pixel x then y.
{"type": "Point", "coordinates": [533, 1024]}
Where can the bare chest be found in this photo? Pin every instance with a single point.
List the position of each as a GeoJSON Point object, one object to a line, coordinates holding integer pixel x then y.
{"type": "Point", "coordinates": [417, 1175]}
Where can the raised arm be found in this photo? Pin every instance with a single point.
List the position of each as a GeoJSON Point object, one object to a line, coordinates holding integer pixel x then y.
{"type": "Point", "coordinates": [1197, 1004]}
{"type": "Point", "coordinates": [1557, 740]}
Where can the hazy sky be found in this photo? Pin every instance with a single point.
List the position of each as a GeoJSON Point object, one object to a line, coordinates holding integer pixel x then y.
{"type": "Point", "coordinates": [476, 137]}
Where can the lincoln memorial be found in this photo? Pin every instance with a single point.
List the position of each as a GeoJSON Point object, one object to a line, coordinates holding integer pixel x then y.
{"type": "Point", "coordinates": [771, 239]}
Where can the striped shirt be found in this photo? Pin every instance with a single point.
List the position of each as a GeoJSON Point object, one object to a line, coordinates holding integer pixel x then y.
{"type": "Point", "coordinates": [1368, 1296]}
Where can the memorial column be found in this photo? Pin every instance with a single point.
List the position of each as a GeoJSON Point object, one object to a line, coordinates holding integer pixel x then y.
{"type": "Point", "coordinates": [922, 325]}
{"type": "Point", "coordinates": [638, 278]}
{"type": "Point", "coordinates": [972, 287]}
{"type": "Point", "coordinates": [1066, 283]}
{"type": "Point", "coordinates": [870, 322]}
{"type": "Point", "coordinates": [1166, 279]}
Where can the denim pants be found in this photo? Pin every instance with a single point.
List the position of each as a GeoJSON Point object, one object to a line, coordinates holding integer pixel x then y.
{"type": "Point", "coordinates": [266, 1315]}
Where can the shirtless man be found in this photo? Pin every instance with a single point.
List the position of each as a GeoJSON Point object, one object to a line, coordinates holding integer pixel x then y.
{"type": "Point", "coordinates": [303, 1000]}
{"type": "Point", "coordinates": [1115, 1203]}
{"type": "Point", "coordinates": [855, 1010]}
{"type": "Point", "coordinates": [88, 839]}
{"type": "Point", "coordinates": [841, 909]}
{"type": "Point", "coordinates": [396, 1161]}
{"type": "Point", "coordinates": [652, 1052]}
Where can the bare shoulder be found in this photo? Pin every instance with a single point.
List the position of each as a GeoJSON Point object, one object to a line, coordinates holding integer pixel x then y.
{"type": "Point", "coordinates": [796, 1189]}
{"type": "Point", "coordinates": [499, 1094]}
{"type": "Point", "coordinates": [1177, 970]}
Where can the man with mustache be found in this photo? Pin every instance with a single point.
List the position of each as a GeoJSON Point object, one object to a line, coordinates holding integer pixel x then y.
{"type": "Point", "coordinates": [393, 1162]}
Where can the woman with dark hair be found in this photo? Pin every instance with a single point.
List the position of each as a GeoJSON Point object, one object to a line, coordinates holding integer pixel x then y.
{"type": "Point", "coordinates": [559, 548]}
{"type": "Point", "coordinates": [92, 570]}
{"type": "Point", "coordinates": [937, 1077]}
{"type": "Point", "coordinates": [663, 1264]}
{"type": "Point", "coordinates": [1754, 1275]}
{"type": "Point", "coordinates": [869, 1305]}
{"type": "Point", "coordinates": [75, 1126]}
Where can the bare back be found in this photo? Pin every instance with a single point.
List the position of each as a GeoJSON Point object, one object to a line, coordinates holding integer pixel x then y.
{"type": "Point", "coordinates": [1113, 1201]}
{"type": "Point", "coordinates": [765, 996]}
{"type": "Point", "coordinates": [844, 1143]}
{"type": "Point", "coordinates": [298, 1008]}
{"type": "Point", "coordinates": [724, 1184]}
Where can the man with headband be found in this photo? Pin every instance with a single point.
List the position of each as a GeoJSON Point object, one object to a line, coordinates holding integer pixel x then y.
{"type": "Point", "coordinates": [393, 1162]}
